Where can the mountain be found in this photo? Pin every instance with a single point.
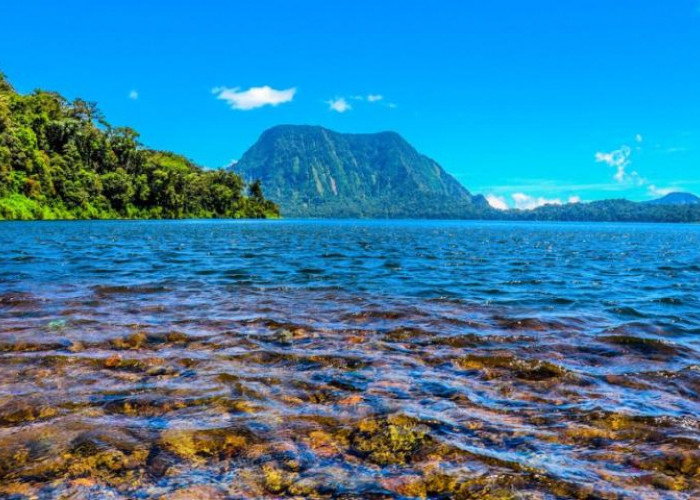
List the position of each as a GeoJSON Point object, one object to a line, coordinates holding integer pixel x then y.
{"type": "Point", "coordinates": [608, 211]}
{"type": "Point", "coordinates": [676, 199]}
{"type": "Point", "coordinates": [60, 159]}
{"type": "Point", "coordinates": [311, 171]}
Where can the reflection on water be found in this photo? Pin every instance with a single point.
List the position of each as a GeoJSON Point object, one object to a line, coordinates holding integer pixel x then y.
{"type": "Point", "coordinates": [344, 359]}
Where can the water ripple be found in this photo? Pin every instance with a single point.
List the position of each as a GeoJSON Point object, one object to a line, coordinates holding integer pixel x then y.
{"type": "Point", "coordinates": [218, 359]}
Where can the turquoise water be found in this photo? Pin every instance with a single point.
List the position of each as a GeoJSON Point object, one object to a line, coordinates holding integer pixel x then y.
{"type": "Point", "coordinates": [359, 359]}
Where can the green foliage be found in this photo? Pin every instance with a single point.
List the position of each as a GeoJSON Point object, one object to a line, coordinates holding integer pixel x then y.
{"type": "Point", "coordinates": [609, 211]}
{"type": "Point", "coordinates": [315, 172]}
{"type": "Point", "coordinates": [318, 173]}
{"type": "Point", "coordinates": [63, 160]}
{"type": "Point", "coordinates": [19, 207]}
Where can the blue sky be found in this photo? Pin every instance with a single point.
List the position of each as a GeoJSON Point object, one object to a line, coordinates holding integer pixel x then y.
{"type": "Point", "coordinates": [523, 101]}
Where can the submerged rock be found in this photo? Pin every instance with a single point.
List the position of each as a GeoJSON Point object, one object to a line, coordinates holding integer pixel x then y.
{"type": "Point", "coordinates": [135, 341]}
{"type": "Point", "coordinates": [397, 439]}
{"type": "Point", "coordinates": [524, 369]}
{"type": "Point", "coordinates": [199, 492]}
{"type": "Point", "coordinates": [19, 412]}
{"type": "Point", "coordinates": [200, 444]}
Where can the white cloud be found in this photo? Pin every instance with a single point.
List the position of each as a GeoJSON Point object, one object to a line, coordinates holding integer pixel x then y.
{"type": "Point", "coordinates": [339, 104]}
{"type": "Point", "coordinates": [636, 179]}
{"type": "Point", "coordinates": [659, 192]}
{"type": "Point", "coordinates": [368, 98]}
{"type": "Point", "coordinates": [133, 95]}
{"type": "Point", "coordinates": [254, 97]}
{"type": "Point", "coordinates": [526, 202]}
{"type": "Point", "coordinates": [621, 159]}
{"type": "Point", "coordinates": [618, 159]}
{"type": "Point", "coordinates": [497, 202]}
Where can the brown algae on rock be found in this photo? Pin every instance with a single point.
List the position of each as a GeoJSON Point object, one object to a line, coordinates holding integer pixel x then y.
{"type": "Point", "coordinates": [201, 444]}
{"type": "Point", "coordinates": [396, 439]}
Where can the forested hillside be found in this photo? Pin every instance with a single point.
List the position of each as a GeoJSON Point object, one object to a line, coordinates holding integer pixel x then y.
{"type": "Point", "coordinates": [63, 160]}
{"type": "Point", "coordinates": [311, 171]}
{"type": "Point", "coordinates": [607, 211]}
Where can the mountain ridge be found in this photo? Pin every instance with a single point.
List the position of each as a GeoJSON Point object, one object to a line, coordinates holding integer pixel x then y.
{"type": "Point", "coordinates": [312, 171]}
{"type": "Point", "coordinates": [315, 172]}
{"type": "Point", "coordinates": [677, 198]}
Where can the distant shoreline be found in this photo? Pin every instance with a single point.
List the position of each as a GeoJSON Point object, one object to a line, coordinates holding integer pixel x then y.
{"type": "Point", "coordinates": [352, 219]}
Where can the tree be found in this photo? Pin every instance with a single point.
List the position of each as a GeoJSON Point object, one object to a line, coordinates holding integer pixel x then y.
{"type": "Point", "coordinates": [118, 188]}
{"type": "Point", "coordinates": [62, 158]}
{"type": "Point", "coordinates": [255, 191]}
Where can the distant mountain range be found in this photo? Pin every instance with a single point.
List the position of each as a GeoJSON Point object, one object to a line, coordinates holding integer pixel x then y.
{"type": "Point", "coordinates": [314, 172]}
{"type": "Point", "coordinates": [62, 160]}
{"type": "Point", "coordinates": [676, 199]}
{"type": "Point", "coordinates": [609, 211]}
{"type": "Point", "coordinates": [311, 171]}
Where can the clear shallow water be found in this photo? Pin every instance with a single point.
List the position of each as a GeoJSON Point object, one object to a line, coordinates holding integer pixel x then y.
{"type": "Point", "coordinates": [349, 359]}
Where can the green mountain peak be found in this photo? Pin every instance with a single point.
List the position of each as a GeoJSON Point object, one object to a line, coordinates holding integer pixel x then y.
{"type": "Point", "coordinates": [311, 171]}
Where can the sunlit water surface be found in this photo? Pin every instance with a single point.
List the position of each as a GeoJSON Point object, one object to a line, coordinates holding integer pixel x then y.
{"type": "Point", "coordinates": [222, 359]}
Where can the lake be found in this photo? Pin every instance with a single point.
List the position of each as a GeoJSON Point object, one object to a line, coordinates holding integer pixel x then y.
{"type": "Point", "coordinates": [353, 359]}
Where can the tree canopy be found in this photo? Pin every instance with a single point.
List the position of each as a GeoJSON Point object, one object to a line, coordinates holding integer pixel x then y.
{"type": "Point", "coordinates": [63, 160]}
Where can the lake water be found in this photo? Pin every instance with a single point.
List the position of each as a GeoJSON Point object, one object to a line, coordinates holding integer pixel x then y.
{"type": "Point", "coordinates": [229, 359]}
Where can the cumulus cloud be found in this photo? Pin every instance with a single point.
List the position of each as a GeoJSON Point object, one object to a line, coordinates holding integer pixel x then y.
{"type": "Point", "coordinates": [659, 192]}
{"type": "Point", "coordinates": [368, 98]}
{"type": "Point", "coordinates": [342, 104]}
{"type": "Point", "coordinates": [621, 159]}
{"type": "Point", "coordinates": [254, 97]}
{"type": "Point", "coordinates": [526, 202]}
{"type": "Point", "coordinates": [618, 159]}
{"type": "Point", "coordinates": [339, 104]}
{"type": "Point", "coordinates": [497, 202]}
{"type": "Point", "coordinates": [523, 201]}
{"type": "Point", "coordinates": [133, 95]}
